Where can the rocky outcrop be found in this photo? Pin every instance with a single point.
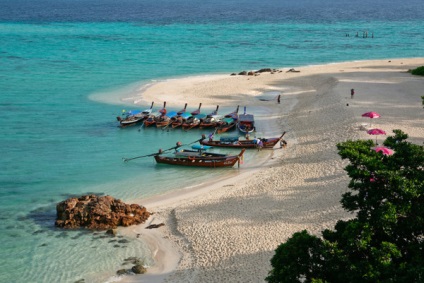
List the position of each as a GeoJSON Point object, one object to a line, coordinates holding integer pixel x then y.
{"type": "Point", "coordinates": [138, 269]}
{"type": "Point", "coordinates": [100, 213]}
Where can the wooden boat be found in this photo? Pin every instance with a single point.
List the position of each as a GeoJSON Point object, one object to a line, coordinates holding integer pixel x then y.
{"type": "Point", "coordinates": [134, 117]}
{"type": "Point", "coordinates": [197, 111]}
{"type": "Point", "coordinates": [199, 158]}
{"type": "Point", "coordinates": [180, 119]}
{"type": "Point", "coordinates": [184, 117]}
{"type": "Point", "coordinates": [237, 143]}
{"type": "Point", "coordinates": [153, 118]}
{"type": "Point", "coordinates": [246, 122]}
{"type": "Point", "coordinates": [173, 118]}
{"type": "Point", "coordinates": [165, 120]}
{"type": "Point", "coordinates": [211, 120]}
{"type": "Point", "coordinates": [229, 122]}
{"type": "Point", "coordinates": [182, 110]}
{"type": "Point", "coordinates": [193, 121]}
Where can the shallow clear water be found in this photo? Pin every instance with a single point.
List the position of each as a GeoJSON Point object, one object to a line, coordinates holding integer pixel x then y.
{"type": "Point", "coordinates": [65, 67]}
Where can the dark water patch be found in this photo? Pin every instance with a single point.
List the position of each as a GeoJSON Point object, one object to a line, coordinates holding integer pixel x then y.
{"type": "Point", "coordinates": [38, 232]}
{"type": "Point", "coordinates": [62, 235]}
{"type": "Point", "coordinates": [191, 11]}
{"type": "Point", "coordinates": [44, 217]}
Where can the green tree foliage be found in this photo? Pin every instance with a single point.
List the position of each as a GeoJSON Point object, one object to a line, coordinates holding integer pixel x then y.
{"type": "Point", "coordinates": [384, 242]}
{"type": "Point", "coordinates": [418, 71]}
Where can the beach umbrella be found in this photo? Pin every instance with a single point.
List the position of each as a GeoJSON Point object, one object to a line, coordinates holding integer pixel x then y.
{"type": "Point", "coordinates": [384, 150]}
{"type": "Point", "coordinates": [371, 115]}
{"type": "Point", "coordinates": [376, 132]}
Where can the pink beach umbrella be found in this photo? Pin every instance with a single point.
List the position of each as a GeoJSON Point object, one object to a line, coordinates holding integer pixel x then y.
{"type": "Point", "coordinates": [371, 115]}
{"type": "Point", "coordinates": [384, 150]}
{"type": "Point", "coordinates": [376, 132]}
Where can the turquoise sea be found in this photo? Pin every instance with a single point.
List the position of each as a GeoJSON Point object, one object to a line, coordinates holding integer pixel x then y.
{"type": "Point", "coordinates": [67, 65]}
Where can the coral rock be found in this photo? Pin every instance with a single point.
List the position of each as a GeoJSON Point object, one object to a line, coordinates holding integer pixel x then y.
{"type": "Point", "coordinates": [95, 212]}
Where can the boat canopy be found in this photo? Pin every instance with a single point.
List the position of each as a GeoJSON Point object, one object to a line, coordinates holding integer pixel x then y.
{"type": "Point", "coordinates": [200, 147]}
{"type": "Point", "coordinates": [132, 112]}
{"type": "Point", "coordinates": [172, 114]}
{"type": "Point", "coordinates": [185, 115]}
{"type": "Point", "coordinates": [200, 116]}
{"type": "Point", "coordinates": [229, 139]}
{"type": "Point", "coordinates": [246, 118]}
{"type": "Point", "coordinates": [228, 120]}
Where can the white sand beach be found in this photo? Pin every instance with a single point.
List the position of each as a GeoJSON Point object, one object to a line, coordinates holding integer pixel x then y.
{"type": "Point", "coordinates": [228, 231]}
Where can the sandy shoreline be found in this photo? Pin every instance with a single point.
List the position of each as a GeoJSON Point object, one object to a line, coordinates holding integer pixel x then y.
{"type": "Point", "coordinates": [228, 231]}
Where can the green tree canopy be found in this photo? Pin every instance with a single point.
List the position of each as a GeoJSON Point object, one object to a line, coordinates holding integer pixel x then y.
{"type": "Point", "coordinates": [384, 242]}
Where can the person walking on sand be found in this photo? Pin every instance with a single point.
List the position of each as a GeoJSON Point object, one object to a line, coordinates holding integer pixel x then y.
{"type": "Point", "coordinates": [278, 99]}
{"type": "Point", "coordinates": [352, 93]}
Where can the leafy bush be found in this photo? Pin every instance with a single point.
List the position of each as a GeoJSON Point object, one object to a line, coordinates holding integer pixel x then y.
{"type": "Point", "coordinates": [385, 241]}
{"type": "Point", "coordinates": [418, 71]}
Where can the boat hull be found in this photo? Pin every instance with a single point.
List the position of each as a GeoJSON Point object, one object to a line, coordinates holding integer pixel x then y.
{"type": "Point", "coordinates": [196, 162]}
{"type": "Point", "coordinates": [130, 121]}
{"type": "Point", "coordinates": [248, 144]}
{"type": "Point", "coordinates": [214, 161]}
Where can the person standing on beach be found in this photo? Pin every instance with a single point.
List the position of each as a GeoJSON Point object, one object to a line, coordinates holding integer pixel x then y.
{"type": "Point", "coordinates": [278, 99]}
{"type": "Point", "coordinates": [352, 93]}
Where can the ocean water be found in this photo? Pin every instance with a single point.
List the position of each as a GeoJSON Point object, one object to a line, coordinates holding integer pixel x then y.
{"type": "Point", "coordinates": [66, 67]}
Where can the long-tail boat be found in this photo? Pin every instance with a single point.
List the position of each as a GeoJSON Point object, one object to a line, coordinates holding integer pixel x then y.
{"type": "Point", "coordinates": [228, 122]}
{"type": "Point", "coordinates": [185, 119]}
{"type": "Point", "coordinates": [180, 119]}
{"type": "Point", "coordinates": [246, 122]}
{"type": "Point", "coordinates": [182, 110]}
{"type": "Point", "coordinates": [153, 118]}
{"type": "Point", "coordinates": [193, 121]}
{"type": "Point", "coordinates": [173, 118]}
{"type": "Point", "coordinates": [200, 158]}
{"type": "Point", "coordinates": [197, 111]}
{"type": "Point", "coordinates": [134, 117]}
{"type": "Point", "coordinates": [211, 120]}
{"type": "Point", "coordinates": [237, 143]}
{"type": "Point", "coordinates": [165, 120]}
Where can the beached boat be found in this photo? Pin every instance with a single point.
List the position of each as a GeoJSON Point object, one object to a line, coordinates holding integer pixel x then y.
{"type": "Point", "coordinates": [153, 118]}
{"type": "Point", "coordinates": [236, 142]}
{"type": "Point", "coordinates": [182, 110]}
{"type": "Point", "coordinates": [211, 120]}
{"type": "Point", "coordinates": [134, 117]}
{"type": "Point", "coordinates": [246, 122]}
{"type": "Point", "coordinates": [185, 117]}
{"type": "Point", "coordinates": [193, 121]}
{"type": "Point", "coordinates": [180, 119]}
{"type": "Point", "coordinates": [229, 122]}
{"type": "Point", "coordinates": [165, 120]}
{"type": "Point", "coordinates": [197, 111]}
{"type": "Point", "coordinates": [200, 158]}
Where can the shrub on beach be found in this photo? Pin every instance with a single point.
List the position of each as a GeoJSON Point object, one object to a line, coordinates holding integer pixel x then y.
{"type": "Point", "coordinates": [418, 71]}
{"type": "Point", "coordinates": [385, 241]}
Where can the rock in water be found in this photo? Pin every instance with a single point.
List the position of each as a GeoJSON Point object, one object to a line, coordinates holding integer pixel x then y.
{"type": "Point", "coordinates": [101, 213]}
{"type": "Point", "coordinates": [138, 269]}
